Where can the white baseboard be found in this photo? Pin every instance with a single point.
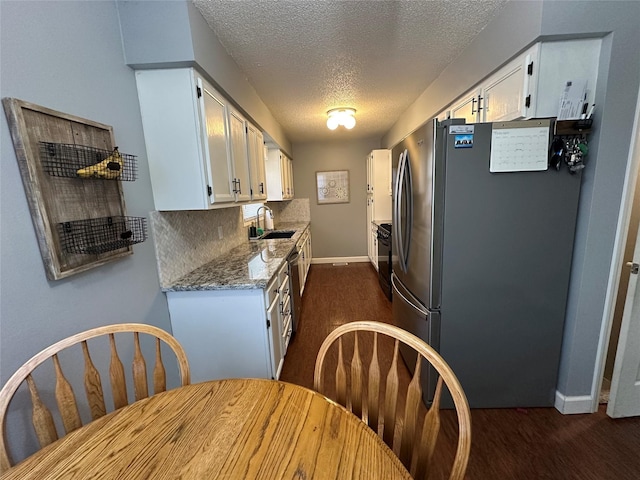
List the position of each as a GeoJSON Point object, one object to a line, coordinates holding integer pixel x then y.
{"type": "Point", "coordinates": [341, 260]}
{"type": "Point", "coordinates": [568, 405]}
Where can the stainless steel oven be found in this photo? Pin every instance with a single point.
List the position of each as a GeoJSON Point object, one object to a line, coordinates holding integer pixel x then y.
{"type": "Point", "coordinates": [384, 258]}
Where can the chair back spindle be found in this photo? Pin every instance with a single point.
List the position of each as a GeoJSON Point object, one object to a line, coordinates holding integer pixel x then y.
{"type": "Point", "coordinates": [356, 380]}
{"type": "Point", "coordinates": [93, 385]}
{"type": "Point", "coordinates": [66, 400]}
{"type": "Point", "coordinates": [42, 418]}
{"type": "Point", "coordinates": [374, 387]}
{"type": "Point", "coordinates": [140, 387]}
{"type": "Point", "coordinates": [116, 376]}
{"type": "Point", "coordinates": [391, 399]}
{"type": "Point", "coordinates": [159, 373]}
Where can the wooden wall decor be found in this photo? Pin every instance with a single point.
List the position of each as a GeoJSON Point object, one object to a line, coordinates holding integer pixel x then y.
{"type": "Point", "coordinates": [80, 223]}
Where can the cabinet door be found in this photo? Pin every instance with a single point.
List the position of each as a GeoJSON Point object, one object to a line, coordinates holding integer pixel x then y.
{"type": "Point", "coordinates": [219, 168]}
{"type": "Point", "coordinates": [275, 177]}
{"type": "Point", "coordinates": [275, 338]}
{"type": "Point", "coordinates": [369, 225]}
{"type": "Point", "coordinates": [308, 255]}
{"type": "Point", "coordinates": [370, 173]}
{"type": "Point", "coordinates": [443, 115]}
{"type": "Point", "coordinates": [255, 148]}
{"type": "Point", "coordinates": [505, 92]}
{"type": "Point", "coordinates": [287, 172]}
{"type": "Point", "coordinates": [291, 187]}
{"type": "Point", "coordinates": [467, 107]}
{"type": "Point", "coordinates": [237, 129]}
{"type": "Point", "coordinates": [373, 255]}
{"type": "Point", "coordinates": [301, 246]}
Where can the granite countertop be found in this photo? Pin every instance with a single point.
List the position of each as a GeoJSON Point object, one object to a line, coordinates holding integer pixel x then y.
{"type": "Point", "coordinates": [249, 265]}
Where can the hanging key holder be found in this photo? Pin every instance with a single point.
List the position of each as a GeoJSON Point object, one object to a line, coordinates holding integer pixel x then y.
{"type": "Point", "coordinates": [570, 144]}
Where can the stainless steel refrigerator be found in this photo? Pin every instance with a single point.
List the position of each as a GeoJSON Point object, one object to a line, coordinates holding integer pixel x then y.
{"type": "Point", "coordinates": [481, 262]}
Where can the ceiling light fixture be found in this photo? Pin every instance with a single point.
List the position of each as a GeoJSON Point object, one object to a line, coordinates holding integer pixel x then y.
{"type": "Point", "coordinates": [341, 116]}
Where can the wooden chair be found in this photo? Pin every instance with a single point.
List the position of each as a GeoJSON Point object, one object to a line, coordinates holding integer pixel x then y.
{"type": "Point", "coordinates": [416, 445]}
{"type": "Point", "coordinates": [66, 400]}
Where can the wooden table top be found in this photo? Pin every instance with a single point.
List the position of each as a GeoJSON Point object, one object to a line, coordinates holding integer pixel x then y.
{"type": "Point", "coordinates": [232, 429]}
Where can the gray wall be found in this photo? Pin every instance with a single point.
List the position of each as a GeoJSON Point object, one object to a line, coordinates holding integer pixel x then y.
{"type": "Point", "coordinates": [68, 56]}
{"type": "Point", "coordinates": [160, 34]}
{"type": "Point", "coordinates": [603, 182]}
{"type": "Point", "coordinates": [338, 230]}
{"type": "Point", "coordinates": [519, 25]}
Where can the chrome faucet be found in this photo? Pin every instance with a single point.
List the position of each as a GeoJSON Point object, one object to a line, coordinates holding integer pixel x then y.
{"type": "Point", "coordinates": [265, 212]}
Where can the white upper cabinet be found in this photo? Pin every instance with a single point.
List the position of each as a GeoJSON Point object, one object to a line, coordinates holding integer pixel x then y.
{"type": "Point", "coordinates": [379, 184]}
{"type": "Point", "coordinates": [531, 84]}
{"type": "Point", "coordinates": [279, 175]}
{"type": "Point", "coordinates": [185, 129]}
{"type": "Point", "coordinates": [239, 155]}
{"type": "Point", "coordinates": [506, 95]}
{"type": "Point", "coordinates": [255, 149]}
{"type": "Point", "coordinates": [197, 143]}
{"type": "Point", "coordinates": [467, 106]}
{"type": "Point", "coordinates": [559, 62]}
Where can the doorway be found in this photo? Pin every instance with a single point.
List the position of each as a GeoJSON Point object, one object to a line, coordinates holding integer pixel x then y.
{"type": "Point", "coordinates": [623, 285]}
{"type": "Point", "coordinates": [619, 381]}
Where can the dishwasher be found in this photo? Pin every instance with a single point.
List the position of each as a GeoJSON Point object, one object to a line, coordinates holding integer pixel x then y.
{"type": "Point", "coordinates": [294, 278]}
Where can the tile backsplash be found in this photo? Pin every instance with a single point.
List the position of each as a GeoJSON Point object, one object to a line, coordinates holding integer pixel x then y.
{"type": "Point", "coordinates": [186, 240]}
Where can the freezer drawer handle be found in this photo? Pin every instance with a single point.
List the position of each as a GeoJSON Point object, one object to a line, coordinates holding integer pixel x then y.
{"type": "Point", "coordinates": [412, 304]}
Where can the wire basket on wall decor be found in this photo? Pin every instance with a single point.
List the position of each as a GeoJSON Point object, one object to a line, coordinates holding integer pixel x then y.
{"type": "Point", "coordinates": [100, 235]}
{"type": "Point", "coordinates": [79, 161]}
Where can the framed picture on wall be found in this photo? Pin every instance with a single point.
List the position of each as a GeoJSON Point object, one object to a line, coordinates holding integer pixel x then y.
{"type": "Point", "coordinates": [332, 186]}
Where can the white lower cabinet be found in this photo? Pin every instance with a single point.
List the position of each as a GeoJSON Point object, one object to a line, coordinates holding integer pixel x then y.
{"type": "Point", "coordinates": [304, 262]}
{"type": "Point", "coordinates": [234, 333]}
{"type": "Point", "coordinates": [373, 244]}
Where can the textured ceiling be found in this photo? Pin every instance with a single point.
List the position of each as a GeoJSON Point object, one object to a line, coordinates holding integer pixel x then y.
{"type": "Point", "coordinates": [306, 57]}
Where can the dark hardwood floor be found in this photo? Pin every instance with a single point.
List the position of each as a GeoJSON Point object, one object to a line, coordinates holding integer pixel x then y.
{"type": "Point", "coordinates": [521, 444]}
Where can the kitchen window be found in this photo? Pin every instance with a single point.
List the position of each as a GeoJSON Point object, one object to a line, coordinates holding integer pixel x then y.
{"type": "Point", "coordinates": [249, 212]}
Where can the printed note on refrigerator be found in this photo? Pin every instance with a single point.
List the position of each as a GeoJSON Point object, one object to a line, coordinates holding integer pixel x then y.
{"type": "Point", "coordinates": [519, 149]}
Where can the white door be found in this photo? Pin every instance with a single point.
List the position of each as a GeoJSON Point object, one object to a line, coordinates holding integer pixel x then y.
{"type": "Point", "coordinates": [624, 399]}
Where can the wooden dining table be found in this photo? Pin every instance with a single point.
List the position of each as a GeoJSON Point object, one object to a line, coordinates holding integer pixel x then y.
{"type": "Point", "coordinates": [231, 429]}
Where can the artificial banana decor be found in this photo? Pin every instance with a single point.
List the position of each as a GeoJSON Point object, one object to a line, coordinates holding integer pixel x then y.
{"type": "Point", "coordinates": [72, 160]}
{"type": "Point", "coordinates": [110, 168]}
{"type": "Point", "coordinates": [72, 174]}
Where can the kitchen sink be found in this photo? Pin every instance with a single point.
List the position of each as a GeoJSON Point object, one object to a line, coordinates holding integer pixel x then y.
{"type": "Point", "coordinates": [278, 234]}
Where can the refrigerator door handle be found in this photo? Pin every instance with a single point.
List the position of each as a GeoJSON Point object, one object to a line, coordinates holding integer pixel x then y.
{"type": "Point", "coordinates": [409, 195]}
{"type": "Point", "coordinates": [412, 303]}
{"type": "Point", "coordinates": [398, 240]}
